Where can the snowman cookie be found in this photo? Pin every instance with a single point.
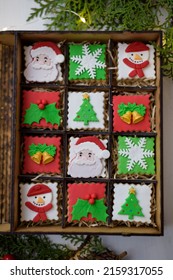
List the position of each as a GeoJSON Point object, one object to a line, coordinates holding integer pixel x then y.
{"type": "Point", "coordinates": [136, 60]}
{"type": "Point", "coordinates": [39, 202]}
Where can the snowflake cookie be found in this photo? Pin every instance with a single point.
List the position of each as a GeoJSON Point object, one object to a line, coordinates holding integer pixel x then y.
{"type": "Point", "coordinates": [131, 113]}
{"type": "Point", "coordinates": [87, 62]}
{"type": "Point", "coordinates": [39, 202]}
{"type": "Point", "coordinates": [136, 60]}
{"type": "Point", "coordinates": [87, 157]}
{"type": "Point", "coordinates": [86, 202]}
{"type": "Point", "coordinates": [41, 109]}
{"type": "Point", "coordinates": [85, 110]}
{"type": "Point", "coordinates": [136, 155]}
{"type": "Point", "coordinates": [132, 202]}
{"type": "Point", "coordinates": [41, 154]}
{"type": "Point", "coordinates": [42, 62]}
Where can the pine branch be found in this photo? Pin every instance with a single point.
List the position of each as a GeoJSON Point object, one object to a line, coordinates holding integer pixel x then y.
{"type": "Point", "coordinates": [74, 239]}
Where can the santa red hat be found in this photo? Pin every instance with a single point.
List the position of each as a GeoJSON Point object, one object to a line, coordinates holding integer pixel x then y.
{"type": "Point", "coordinates": [137, 47]}
{"type": "Point", "coordinates": [48, 48]}
{"type": "Point", "coordinates": [39, 189]}
{"type": "Point", "coordinates": [94, 144]}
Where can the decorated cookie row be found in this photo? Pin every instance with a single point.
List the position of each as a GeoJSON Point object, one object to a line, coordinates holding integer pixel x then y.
{"type": "Point", "coordinates": [87, 156]}
{"type": "Point", "coordinates": [88, 203]}
{"type": "Point", "coordinates": [87, 110]}
{"type": "Point", "coordinates": [88, 62]}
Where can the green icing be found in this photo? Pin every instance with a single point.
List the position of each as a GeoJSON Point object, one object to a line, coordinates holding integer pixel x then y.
{"type": "Point", "coordinates": [86, 113]}
{"type": "Point", "coordinates": [50, 113]}
{"type": "Point", "coordinates": [79, 59]}
{"type": "Point", "coordinates": [82, 208]}
{"type": "Point", "coordinates": [124, 108]}
{"type": "Point", "coordinates": [50, 149]}
{"type": "Point", "coordinates": [131, 207]}
{"type": "Point", "coordinates": [136, 155]}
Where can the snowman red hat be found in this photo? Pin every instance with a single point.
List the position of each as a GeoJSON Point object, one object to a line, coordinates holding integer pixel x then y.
{"type": "Point", "coordinates": [94, 144]}
{"type": "Point", "coordinates": [48, 48]}
{"type": "Point", "coordinates": [137, 47]}
{"type": "Point", "coordinates": [39, 189]}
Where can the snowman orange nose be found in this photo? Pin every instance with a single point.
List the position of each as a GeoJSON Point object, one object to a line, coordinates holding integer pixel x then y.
{"type": "Point", "coordinates": [137, 57]}
{"type": "Point", "coordinates": [40, 200]}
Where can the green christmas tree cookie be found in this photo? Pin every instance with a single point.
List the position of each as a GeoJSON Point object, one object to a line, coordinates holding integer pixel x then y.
{"type": "Point", "coordinates": [131, 206]}
{"type": "Point", "coordinates": [86, 113]}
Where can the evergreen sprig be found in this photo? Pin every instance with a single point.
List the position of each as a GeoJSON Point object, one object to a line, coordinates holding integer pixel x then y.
{"type": "Point", "coordinates": [117, 15]}
{"type": "Point", "coordinates": [33, 247]}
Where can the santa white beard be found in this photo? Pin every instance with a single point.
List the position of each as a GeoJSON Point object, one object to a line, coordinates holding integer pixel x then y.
{"type": "Point", "coordinates": [77, 169]}
{"type": "Point", "coordinates": [34, 73]}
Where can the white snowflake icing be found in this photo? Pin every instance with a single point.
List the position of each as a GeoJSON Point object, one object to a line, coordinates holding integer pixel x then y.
{"type": "Point", "coordinates": [136, 153]}
{"type": "Point", "coordinates": [88, 61]}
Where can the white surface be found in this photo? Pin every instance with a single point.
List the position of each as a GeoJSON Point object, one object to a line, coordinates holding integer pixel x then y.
{"type": "Point", "coordinates": [14, 13]}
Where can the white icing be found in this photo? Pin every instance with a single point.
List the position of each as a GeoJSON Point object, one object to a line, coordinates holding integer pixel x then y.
{"type": "Point", "coordinates": [136, 153]}
{"type": "Point", "coordinates": [26, 213]}
{"type": "Point", "coordinates": [124, 70]}
{"type": "Point", "coordinates": [143, 195]}
{"type": "Point", "coordinates": [88, 61]}
{"type": "Point", "coordinates": [85, 169]}
{"type": "Point", "coordinates": [75, 99]}
{"type": "Point", "coordinates": [39, 72]}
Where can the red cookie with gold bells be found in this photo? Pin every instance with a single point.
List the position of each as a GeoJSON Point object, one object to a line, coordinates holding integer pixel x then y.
{"type": "Point", "coordinates": [131, 113]}
{"type": "Point", "coordinates": [42, 154]}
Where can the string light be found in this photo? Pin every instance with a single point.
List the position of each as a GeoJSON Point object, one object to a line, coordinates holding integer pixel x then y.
{"type": "Point", "coordinates": [81, 18]}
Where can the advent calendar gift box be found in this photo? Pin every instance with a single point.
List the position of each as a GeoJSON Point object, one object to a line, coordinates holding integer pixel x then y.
{"type": "Point", "coordinates": [84, 137]}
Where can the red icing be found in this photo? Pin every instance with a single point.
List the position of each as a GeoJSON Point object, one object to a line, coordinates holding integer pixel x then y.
{"type": "Point", "coordinates": [40, 97]}
{"type": "Point", "coordinates": [40, 210]}
{"type": "Point", "coordinates": [137, 68]}
{"type": "Point", "coordinates": [29, 166]}
{"type": "Point", "coordinates": [119, 125]}
{"type": "Point", "coordinates": [83, 190]}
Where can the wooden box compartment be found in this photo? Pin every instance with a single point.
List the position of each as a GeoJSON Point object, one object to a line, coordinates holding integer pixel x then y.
{"type": "Point", "coordinates": [17, 40]}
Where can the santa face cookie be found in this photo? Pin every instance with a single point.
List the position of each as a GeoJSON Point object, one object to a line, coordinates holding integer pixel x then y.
{"type": "Point", "coordinates": [42, 61]}
{"type": "Point", "coordinates": [136, 61]}
{"type": "Point", "coordinates": [87, 157]}
{"type": "Point", "coordinates": [39, 202]}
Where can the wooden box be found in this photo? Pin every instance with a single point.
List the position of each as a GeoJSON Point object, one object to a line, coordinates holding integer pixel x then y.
{"type": "Point", "coordinates": [12, 133]}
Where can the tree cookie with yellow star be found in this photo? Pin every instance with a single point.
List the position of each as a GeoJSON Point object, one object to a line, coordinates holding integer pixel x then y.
{"type": "Point", "coordinates": [86, 110]}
